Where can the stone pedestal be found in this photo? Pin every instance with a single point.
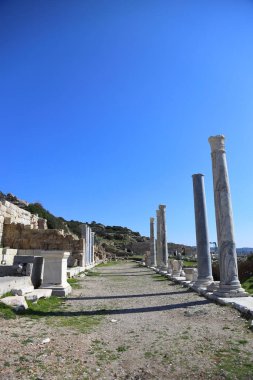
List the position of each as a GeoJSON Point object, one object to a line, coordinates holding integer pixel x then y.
{"type": "Point", "coordinates": [55, 272]}
{"type": "Point", "coordinates": [163, 236]}
{"type": "Point", "coordinates": [177, 268]}
{"type": "Point", "coordinates": [229, 283]}
{"type": "Point", "coordinates": [203, 251]}
{"type": "Point", "coordinates": [152, 243]}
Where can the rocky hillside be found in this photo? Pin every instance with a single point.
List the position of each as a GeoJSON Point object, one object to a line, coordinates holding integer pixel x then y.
{"type": "Point", "coordinates": [110, 240]}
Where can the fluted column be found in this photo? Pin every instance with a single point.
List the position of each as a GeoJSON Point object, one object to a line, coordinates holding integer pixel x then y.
{"type": "Point", "coordinates": [158, 240]}
{"type": "Point", "coordinates": [152, 242]}
{"type": "Point", "coordinates": [229, 283]}
{"type": "Point", "coordinates": [163, 236]}
{"type": "Point", "coordinates": [203, 251]}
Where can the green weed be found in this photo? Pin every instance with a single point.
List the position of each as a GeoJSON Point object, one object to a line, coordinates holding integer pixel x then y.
{"type": "Point", "coordinates": [158, 277]}
{"type": "Point", "coordinates": [82, 323]}
{"type": "Point", "coordinates": [248, 285]}
{"type": "Point", "coordinates": [74, 283]}
{"type": "Point", "coordinates": [122, 348]}
{"type": "Point", "coordinates": [7, 312]}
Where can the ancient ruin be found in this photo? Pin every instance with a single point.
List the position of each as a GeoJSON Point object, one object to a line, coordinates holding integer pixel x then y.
{"type": "Point", "coordinates": [152, 243]}
{"type": "Point", "coordinates": [33, 256]}
{"type": "Point", "coordinates": [229, 283]}
{"type": "Point", "coordinates": [205, 277]}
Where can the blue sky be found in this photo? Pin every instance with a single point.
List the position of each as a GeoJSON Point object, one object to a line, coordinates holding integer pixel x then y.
{"type": "Point", "coordinates": [106, 108]}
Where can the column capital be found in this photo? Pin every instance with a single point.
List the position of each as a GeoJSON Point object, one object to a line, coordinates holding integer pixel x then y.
{"type": "Point", "coordinates": [197, 175]}
{"type": "Point", "coordinates": [217, 143]}
{"type": "Point", "coordinates": [152, 220]}
{"type": "Point", "coordinates": [162, 207]}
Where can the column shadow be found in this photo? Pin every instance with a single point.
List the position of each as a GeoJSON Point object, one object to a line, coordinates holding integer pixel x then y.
{"type": "Point", "coordinates": [128, 296]}
{"type": "Point", "coordinates": [149, 309]}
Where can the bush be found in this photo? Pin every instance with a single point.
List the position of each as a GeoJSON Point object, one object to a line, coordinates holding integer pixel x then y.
{"type": "Point", "coordinates": [245, 269]}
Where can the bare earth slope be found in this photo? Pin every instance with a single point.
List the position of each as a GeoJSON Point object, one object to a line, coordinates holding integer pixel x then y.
{"type": "Point", "coordinates": [141, 327]}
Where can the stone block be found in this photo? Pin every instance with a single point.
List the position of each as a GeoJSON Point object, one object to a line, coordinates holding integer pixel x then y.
{"type": "Point", "coordinates": [191, 274]}
{"type": "Point", "coordinates": [37, 294]}
{"type": "Point", "coordinates": [17, 303]}
{"type": "Point", "coordinates": [33, 266]}
{"type": "Point", "coordinates": [22, 291]}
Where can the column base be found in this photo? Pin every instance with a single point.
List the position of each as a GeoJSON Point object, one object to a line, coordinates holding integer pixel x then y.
{"type": "Point", "coordinates": [202, 283]}
{"type": "Point", "coordinates": [58, 290]}
{"type": "Point", "coordinates": [230, 291]}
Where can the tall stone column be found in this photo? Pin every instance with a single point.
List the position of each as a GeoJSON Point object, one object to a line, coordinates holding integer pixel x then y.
{"type": "Point", "coordinates": [152, 242]}
{"type": "Point", "coordinates": [83, 238]}
{"type": "Point", "coordinates": [229, 283]}
{"type": "Point", "coordinates": [163, 236]}
{"type": "Point", "coordinates": [158, 240]}
{"type": "Point", "coordinates": [92, 247]}
{"type": "Point", "coordinates": [87, 244]}
{"type": "Point", "coordinates": [205, 277]}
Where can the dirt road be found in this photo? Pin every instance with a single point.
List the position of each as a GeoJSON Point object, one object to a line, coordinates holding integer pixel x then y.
{"type": "Point", "coordinates": [125, 322]}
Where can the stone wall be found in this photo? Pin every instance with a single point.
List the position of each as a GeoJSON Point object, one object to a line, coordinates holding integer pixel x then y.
{"type": "Point", "coordinates": [19, 236]}
{"type": "Point", "coordinates": [10, 213]}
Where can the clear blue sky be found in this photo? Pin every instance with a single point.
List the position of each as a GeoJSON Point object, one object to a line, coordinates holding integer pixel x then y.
{"type": "Point", "coordinates": [106, 108]}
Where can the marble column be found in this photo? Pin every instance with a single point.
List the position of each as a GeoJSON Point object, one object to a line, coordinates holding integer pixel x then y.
{"type": "Point", "coordinates": [83, 238]}
{"type": "Point", "coordinates": [158, 240]}
{"type": "Point", "coordinates": [152, 243]}
{"type": "Point", "coordinates": [87, 245]}
{"type": "Point", "coordinates": [229, 282]}
{"type": "Point", "coordinates": [92, 247]}
{"type": "Point", "coordinates": [163, 236]}
{"type": "Point", "coordinates": [205, 277]}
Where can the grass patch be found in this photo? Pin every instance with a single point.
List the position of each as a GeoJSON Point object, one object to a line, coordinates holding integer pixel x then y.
{"type": "Point", "coordinates": [232, 365]}
{"type": "Point", "coordinates": [7, 312]}
{"type": "Point", "coordinates": [92, 273]}
{"type": "Point", "coordinates": [102, 354]}
{"type": "Point", "coordinates": [42, 307]}
{"type": "Point", "coordinates": [74, 283]}
{"type": "Point", "coordinates": [158, 277]}
{"type": "Point", "coordinates": [248, 285]}
{"type": "Point", "coordinates": [136, 257]}
{"type": "Point", "coordinates": [190, 264]}
{"type": "Point", "coordinates": [122, 348]}
{"type": "Point", "coordinates": [149, 355]}
{"type": "Point", "coordinates": [45, 308]}
{"type": "Point", "coordinates": [8, 294]}
{"type": "Point", "coordinates": [27, 341]}
{"type": "Point", "coordinates": [109, 264]}
{"type": "Point", "coordinates": [82, 323]}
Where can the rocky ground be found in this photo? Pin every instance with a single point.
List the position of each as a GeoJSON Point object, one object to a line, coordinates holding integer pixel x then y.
{"type": "Point", "coordinates": [126, 322]}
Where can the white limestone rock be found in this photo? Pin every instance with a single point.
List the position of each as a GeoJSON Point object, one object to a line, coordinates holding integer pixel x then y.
{"type": "Point", "coordinates": [22, 291]}
{"type": "Point", "coordinates": [17, 303]}
{"type": "Point", "coordinates": [37, 294]}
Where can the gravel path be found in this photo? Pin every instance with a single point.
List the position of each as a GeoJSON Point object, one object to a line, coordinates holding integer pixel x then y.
{"type": "Point", "coordinates": [128, 323]}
